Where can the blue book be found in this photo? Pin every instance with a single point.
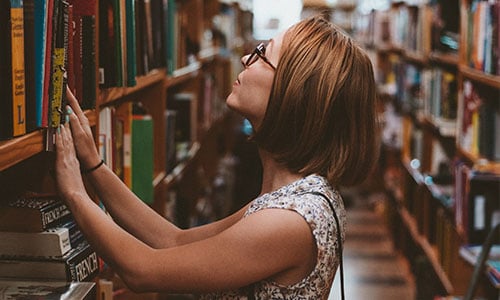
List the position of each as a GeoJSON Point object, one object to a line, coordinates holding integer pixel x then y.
{"type": "Point", "coordinates": [41, 9]}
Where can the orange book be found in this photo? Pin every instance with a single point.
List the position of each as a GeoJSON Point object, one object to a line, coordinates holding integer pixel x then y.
{"type": "Point", "coordinates": [12, 69]}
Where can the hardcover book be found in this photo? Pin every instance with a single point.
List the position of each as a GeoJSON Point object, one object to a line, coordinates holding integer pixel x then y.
{"type": "Point", "coordinates": [33, 213]}
{"type": "Point", "coordinates": [142, 157]}
{"type": "Point", "coordinates": [51, 242]}
{"type": "Point", "coordinates": [12, 89]}
{"type": "Point", "coordinates": [78, 264]}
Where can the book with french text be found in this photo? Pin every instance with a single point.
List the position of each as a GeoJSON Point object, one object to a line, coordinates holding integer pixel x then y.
{"type": "Point", "coordinates": [12, 85]}
{"type": "Point", "coordinates": [54, 241]}
{"type": "Point", "coordinates": [33, 213]}
{"type": "Point", "coordinates": [78, 264]}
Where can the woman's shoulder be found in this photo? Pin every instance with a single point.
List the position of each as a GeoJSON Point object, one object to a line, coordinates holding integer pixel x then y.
{"type": "Point", "coordinates": [304, 196]}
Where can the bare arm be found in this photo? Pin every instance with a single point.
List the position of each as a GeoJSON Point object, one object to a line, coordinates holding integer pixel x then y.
{"type": "Point", "coordinates": [123, 205]}
{"type": "Point", "coordinates": [262, 245]}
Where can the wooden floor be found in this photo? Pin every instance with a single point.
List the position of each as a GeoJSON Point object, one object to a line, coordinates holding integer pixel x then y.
{"type": "Point", "coordinates": [373, 270]}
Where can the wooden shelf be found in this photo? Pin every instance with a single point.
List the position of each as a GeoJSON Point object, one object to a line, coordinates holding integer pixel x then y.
{"type": "Point", "coordinates": [480, 164]}
{"type": "Point", "coordinates": [108, 96]}
{"type": "Point", "coordinates": [16, 150]}
{"type": "Point", "coordinates": [178, 172]}
{"type": "Point", "coordinates": [183, 74]}
{"type": "Point", "coordinates": [416, 58]}
{"type": "Point", "coordinates": [450, 59]}
{"type": "Point", "coordinates": [412, 227]}
{"type": "Point", "coordinates": [481, 77]}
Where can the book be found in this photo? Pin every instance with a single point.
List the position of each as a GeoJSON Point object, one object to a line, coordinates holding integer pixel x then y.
{"type": "Point", "coordinates": [47, 290]}
{"type": "Point", "coordinates": [50, 242]}
{"type": "Point", "coordinates": [41, 16]}
{"type": "Point", "coordinates": [142, 157]}
{"type": "Point", "coordinates": [29, 63]}
{"type": "Point", "coordinates": [123, 151]}
{"type": "Point", "coordinates": [47, 67]}
{"type": "Point", "coordinates": [483, 205]}
{"type": "Point", "coordinates": [12, 86]}
{"type": "Point", "coordinates": [84, 16]}
{"type": "Point", "coordinates": [33, 213]}
{"type": "Point", "coordinates": [78, 264]}
{"type": "Point", "coordinates": [131, 54]}
{"type": "Point", "coordinates": [59, 63]}
{"type": "Point", "coordinates": [107, 44]}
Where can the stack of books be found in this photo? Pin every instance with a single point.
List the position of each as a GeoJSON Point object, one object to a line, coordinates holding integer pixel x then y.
{"type": "Point", "coordinates": [39, 240]}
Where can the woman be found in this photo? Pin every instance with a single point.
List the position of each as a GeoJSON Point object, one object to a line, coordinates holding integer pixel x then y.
{"type": "Point", "coordinates": [309, 95]}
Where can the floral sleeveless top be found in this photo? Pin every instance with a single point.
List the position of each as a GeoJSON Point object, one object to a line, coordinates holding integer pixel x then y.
{"type": "Point", "coordinates": [318, 214]}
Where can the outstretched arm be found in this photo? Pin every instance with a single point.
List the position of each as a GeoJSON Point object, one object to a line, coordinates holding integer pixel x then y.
{"type": "Point", "coordinates": [265, 244]}
{"type": "Point", "coordinates": [123, 205]}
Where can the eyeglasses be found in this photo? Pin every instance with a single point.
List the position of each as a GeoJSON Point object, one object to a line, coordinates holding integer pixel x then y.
{"type": "Point", "coordinates": [258, 52]}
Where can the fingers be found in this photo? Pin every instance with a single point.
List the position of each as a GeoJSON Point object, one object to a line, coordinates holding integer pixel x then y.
{"type": "Point", "coordinates": [74, 120]}
{"type": "Point", "coordinates": [64, 140]}
{"type": "Point", "coordinates": [73, 103]}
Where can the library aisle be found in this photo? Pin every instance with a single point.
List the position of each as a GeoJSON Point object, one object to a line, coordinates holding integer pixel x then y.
{"type": "Point", "coordinates": [373, 269]}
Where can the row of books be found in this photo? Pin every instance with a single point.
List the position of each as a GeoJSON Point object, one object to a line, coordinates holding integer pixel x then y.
{"type": "Point", "coordinates": [416, 28]}
{"type": "Point", "coordinates": [476, 205]}
{"type": "Point", "coordinates": [433, 93]}
{"type": "Point", "coordinates": [39, 240]}
{"type": "Point", "coordinates": [126, 145]}
{"type": "Point", "coordinates": [483, 36]}
{"type": "Point", "coordinates": [51, 44]}
{"type": "Point", "coordinates": [480, 121]}
{"type": "Point", "coordinates": [137, 36]}
{"type": "Point", "coordinates": [48, 45]}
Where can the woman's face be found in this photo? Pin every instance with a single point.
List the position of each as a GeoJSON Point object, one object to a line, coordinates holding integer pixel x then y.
{"type": "Point", "coordinates": [252, 88]}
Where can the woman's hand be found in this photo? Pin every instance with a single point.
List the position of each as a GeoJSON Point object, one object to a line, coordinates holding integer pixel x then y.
{"type": "Point", "coordinates": [68, 176]}
{"type": "Point", "coordinates": [83, 140]}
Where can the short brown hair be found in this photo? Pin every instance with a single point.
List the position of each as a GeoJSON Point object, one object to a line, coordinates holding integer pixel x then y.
{"type": "Point", "coordinates": [321, 115]}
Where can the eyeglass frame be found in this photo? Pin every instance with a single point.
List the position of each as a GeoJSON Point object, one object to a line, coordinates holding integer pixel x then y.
{"type": "Point", "coordinates": [260, 51]}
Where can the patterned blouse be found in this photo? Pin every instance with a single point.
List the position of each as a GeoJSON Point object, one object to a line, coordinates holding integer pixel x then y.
{"type": "Point", "coordinates": [316, 211]}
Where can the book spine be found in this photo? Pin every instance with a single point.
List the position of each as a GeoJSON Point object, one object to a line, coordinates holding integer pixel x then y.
{"type": "Point", "coordinates": [131, 41]}
{"type": "Point", "coordinates": [55, 215]}
{"type": "Point", "coordinates": [48, 64]}
{"type": "Point", "coordinates": [59, 63]}
{"type": "Point", "coordinates": [88, 61]}
{"type": "Point", "coordinates": [52, 242]}
{"type": "Point", "coordinates": [18, 84]}
{"type": "Point", "coordinates": [84, 266]}
{"type": "Point", "coordinates": [41, 8]}
{"type": "Point", "coordinates": [29, 64]}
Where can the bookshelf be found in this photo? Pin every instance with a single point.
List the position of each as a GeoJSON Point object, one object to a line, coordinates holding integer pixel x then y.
{"type": "Point", "coordinates": [440, 158]}
{"type": "Point", "coordinates": [181, 48]}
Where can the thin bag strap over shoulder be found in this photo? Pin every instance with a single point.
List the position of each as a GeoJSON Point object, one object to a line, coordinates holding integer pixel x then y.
{"type": "Point", "coordinates": [339, 238]}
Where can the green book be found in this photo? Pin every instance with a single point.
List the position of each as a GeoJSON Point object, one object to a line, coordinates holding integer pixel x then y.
{"type": "Point", "coordinates": [142, 157]}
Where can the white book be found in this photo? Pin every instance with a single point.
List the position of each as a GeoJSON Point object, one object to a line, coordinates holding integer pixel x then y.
{"type": "Point", "coordinates": [51, 242]}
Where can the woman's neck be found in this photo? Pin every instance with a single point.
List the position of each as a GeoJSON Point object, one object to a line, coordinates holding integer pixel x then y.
{"type": "Point", "coordinates": [274, 175]}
